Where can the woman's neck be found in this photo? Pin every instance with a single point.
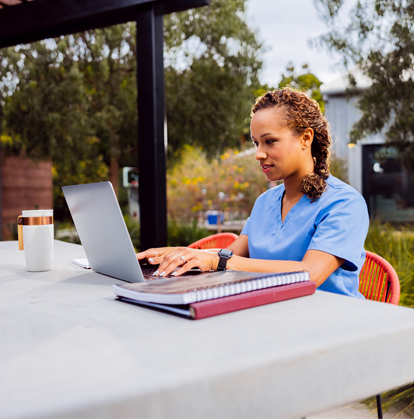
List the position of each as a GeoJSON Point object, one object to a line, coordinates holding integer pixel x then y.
{"type": "Point", "coordinates": [292, 182]}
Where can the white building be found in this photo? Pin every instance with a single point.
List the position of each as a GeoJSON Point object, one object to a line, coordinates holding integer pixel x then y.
{"type": "Point", "coordinates": [374, 170]}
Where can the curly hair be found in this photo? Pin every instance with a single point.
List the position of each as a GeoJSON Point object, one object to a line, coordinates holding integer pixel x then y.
{"type": "Point", "coordinates": [300, 112]}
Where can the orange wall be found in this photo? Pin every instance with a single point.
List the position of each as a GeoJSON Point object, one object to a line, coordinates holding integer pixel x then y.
{"type": "Point", "coordinates": [26, 185]}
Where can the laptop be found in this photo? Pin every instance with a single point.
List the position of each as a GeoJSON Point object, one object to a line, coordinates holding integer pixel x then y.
{"type": "Point", "coordinates": [103, 233]}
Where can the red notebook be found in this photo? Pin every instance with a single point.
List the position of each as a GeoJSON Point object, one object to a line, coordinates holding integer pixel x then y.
{"type": "Point", "coordinates": [212, 307]}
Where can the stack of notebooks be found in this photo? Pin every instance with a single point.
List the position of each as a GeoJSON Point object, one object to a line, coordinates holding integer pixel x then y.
{"type": "Point", "coordinates": [216, 293]}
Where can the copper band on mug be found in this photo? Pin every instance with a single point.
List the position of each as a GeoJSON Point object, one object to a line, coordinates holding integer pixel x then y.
{"type": "Point", "coordinates": [35, 221]}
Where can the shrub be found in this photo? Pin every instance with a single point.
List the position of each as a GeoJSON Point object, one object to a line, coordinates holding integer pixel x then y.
{"type": "Point", "coordinates": [233, 181]}
{"type": "Point", "coordinates": [179, 233]}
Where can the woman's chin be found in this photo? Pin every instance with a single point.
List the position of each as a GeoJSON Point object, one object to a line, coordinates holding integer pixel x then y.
{"type": "Point", "coordinates": [273, 178]}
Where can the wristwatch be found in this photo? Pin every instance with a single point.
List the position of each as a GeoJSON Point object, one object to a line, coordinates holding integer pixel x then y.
{"type": "Point", "coordinates": [224, 255]}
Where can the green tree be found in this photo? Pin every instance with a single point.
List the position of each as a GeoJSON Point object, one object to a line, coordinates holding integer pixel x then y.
{"type": "Point", "coordinates": [305, 81]}
{"type": "Point", "coordinates": [379, 40]}
{"type": "Point", "coordinates": [209, 97]}
{"type": "Point", "coordinates": [74, 102]}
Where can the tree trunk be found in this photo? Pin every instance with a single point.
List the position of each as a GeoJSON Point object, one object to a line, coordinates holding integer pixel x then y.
{"type": "Point", "coordinates": [113, 173]}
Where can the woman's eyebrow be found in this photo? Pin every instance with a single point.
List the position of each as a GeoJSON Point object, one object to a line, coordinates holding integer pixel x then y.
{"type": "Point", "coordinates": [266, 134]}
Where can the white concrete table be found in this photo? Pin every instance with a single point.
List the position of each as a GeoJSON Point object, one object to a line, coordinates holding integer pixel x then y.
{"type": "Point", "coordinates": [68, 349]}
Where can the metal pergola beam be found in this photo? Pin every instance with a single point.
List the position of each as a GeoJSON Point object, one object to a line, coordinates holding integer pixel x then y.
{"type": "Point", "coordinates": [151, 130]}
{"type": "Point", "coordinates": [40, 19]}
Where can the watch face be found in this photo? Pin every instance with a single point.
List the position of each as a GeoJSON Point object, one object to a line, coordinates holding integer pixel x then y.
{"type": "Point", "coordinates": [225, 253]}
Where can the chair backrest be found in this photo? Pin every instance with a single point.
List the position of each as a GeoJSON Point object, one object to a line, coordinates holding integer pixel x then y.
{"type": "Point", "coordinates": [378, 280]}
{"type": "Point", "coordinates": [219, 240]}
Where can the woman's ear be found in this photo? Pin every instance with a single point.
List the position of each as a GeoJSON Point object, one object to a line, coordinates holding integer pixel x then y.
{"type": "Point", "coordinates": [307, 138]}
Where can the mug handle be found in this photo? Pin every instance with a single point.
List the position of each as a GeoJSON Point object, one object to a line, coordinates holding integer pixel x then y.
{"type": "Point", "coordinates": [20, 232]}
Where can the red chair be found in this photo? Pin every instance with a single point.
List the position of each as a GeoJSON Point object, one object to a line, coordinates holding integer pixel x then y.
{"type": "Point", "coordinates": [378, 281]}
{"type": "Point", "coordinates": [219, 240]}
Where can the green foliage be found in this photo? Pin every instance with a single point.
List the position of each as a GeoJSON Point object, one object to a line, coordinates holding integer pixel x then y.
{"type": "Point", "coordinates": [73, 99]}
{"type": "Point", "coordinates": [179, 233]}
{"type": "Point", "coordinates": [307, 82]}
{"type": "Point", "coordinates": [339, 168]}
{"type": "Point", "coordinates": [73, 102]}
{"type": "Point", "coordinates": [304, 82]}
{"type": "Point", "coordinates": [194, 184]}
{"type": "Point", "coordinates": [208, 100]}
{"type": "Point", "coordinates": [183, 234]}
{"type": "Point", "coordinates": [379, 39]}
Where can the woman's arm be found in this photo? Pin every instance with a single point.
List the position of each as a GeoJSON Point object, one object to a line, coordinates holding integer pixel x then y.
{"type": "Point", "coordinates": [239, 247]}
{"type": "Point", "coordinates": [320, 265]}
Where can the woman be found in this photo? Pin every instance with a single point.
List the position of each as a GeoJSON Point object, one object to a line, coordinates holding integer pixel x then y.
{"type": "Point", "coordinates": [313, 221]}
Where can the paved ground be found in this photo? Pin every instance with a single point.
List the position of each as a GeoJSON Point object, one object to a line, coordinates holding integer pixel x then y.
{"type": "Point", "coordinates": [360, 411]}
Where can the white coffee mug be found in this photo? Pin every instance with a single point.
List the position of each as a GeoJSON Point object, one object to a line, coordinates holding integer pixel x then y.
{"type": "Point", "coordinates": [36, 233]}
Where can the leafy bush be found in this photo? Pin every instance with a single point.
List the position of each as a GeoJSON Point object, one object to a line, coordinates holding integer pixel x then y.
{"type": "Point", "coordinates": [183, 234]}
{"type": "Point", "coordinates": [339, 168]}
{"type": "Point", "coordinates": [179, 233]}
{"type": "Point", "coordinates": [231, 182]}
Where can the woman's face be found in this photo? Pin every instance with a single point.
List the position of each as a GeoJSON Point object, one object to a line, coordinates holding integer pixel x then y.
{"type": "Point", "coordinates": [281, 153]}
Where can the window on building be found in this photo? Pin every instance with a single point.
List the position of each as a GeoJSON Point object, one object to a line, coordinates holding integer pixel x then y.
{"type": "Point", "coordinates": [388, 186]}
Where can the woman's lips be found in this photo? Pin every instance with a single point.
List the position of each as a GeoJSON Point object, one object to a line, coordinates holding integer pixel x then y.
{"type": "Point", "coordinates": [266, 168]}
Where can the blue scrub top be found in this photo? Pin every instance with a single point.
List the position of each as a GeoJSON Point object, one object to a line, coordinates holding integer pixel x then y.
{"type": "Point", "coordinates": [337, 223]}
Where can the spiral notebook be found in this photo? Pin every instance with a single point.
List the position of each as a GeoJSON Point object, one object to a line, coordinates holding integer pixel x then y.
{"type": "Point", "coordinates": [183, 291]}
{"type": "Point", "coordinates": [224, 305]}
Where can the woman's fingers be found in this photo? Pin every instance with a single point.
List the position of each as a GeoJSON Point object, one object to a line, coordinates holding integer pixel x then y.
{"type": "Point", "coordinates": [186, 260]}
{"type": "Point", "coordinates": [152, 253]}
{"type": "Point", "coordinates": [187, 266]}
{"type": "Point", "coordinates": [173, 260]}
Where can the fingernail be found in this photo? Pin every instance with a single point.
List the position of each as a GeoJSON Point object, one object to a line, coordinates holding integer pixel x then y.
{"type": "Point", "coordinates": [162, 273]}
{"type": "Point", "coordinates": [156, 273]}
{"type": "Point", "coordinates": [151, 260]}
{"type": "Point", "coordinates": [175, 273]}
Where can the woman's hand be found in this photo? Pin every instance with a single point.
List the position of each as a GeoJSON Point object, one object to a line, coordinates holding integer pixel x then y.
{"type": "Point", "coordinates": [150, 254]}
{"type": "Point", "coordinates": [185, 258]}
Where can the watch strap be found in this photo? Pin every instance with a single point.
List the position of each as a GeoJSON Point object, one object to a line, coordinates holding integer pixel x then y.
{"type": "Point", "coordinates": [223, 258]}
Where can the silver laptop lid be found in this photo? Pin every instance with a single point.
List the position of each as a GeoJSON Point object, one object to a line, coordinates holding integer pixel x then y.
{"type": "Point", "coordinates": [102, 231]}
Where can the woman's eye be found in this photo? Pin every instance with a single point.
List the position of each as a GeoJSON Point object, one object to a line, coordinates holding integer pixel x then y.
{"type": "Point", "coordinates": [255, 143]}
{"type": "Point", "coordinates": [270, 141]}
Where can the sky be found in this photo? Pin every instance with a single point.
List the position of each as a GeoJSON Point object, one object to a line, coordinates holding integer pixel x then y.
{"type": "Point", "coordinates": [285, 28]}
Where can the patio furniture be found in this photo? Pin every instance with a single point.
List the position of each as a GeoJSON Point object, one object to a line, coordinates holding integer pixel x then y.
{"type": "Point", "coordinates": [378, 281]}
{"type": "Point", "coordinates": [219, 240]}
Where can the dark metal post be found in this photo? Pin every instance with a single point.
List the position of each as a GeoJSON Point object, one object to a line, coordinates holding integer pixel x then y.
{"type": "Point", "coordinates": [1, 178]}
{"type": "Point", "coordinates": [151, 142]}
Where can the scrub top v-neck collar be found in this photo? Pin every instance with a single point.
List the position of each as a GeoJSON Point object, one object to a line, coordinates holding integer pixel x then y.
{"type": "Point", "coordinates": [292, 211]}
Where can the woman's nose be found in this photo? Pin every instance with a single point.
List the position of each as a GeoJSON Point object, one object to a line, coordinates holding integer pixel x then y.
{"type": "Point", "coordinates": [260, 154]}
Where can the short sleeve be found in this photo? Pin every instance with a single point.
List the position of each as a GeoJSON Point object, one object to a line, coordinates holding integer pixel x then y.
{"type": "Point", "coordinates": [245, 230]}
{"type": "Point", "coordinates": [341, 228]}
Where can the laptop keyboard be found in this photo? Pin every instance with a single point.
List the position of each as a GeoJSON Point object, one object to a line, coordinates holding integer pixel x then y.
{"type": "Point", "coordinates": [149, 270]}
